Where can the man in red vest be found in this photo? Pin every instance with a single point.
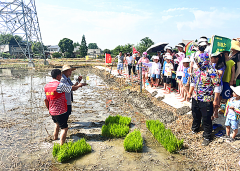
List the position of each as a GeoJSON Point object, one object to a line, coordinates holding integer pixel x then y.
{"type": "Point", "coordinates": [57, 104]}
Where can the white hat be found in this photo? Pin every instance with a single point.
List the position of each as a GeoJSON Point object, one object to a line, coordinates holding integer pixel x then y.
{"type": "Point", "coordinates": [168, 56]}
{"type": "Point", "coordinates": [67, 67]}
{"type": "Point", "coordinates": [169, 47]}
{"type": "Point", "coordinates": [155, 57]}
{"type": "Point", "coordinates": [203, 40]}
{"type": "Point", "coordinates": [176, 60]}
{"type": "Point", "coordinates": [186, 60]}
{"type": "Point", "coordinates": [202, 44]}
{"type": "Point", "coordinates": [236, 90]}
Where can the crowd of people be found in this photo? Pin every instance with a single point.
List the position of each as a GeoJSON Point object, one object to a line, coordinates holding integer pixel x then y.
{"type": "Point", "coordinates": [209, 81]}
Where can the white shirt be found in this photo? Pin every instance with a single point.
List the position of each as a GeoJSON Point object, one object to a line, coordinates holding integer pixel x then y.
{"type": "Point", "coordinates": [192, 59]}
{"type": "Point", "coordinates": [129, 59]}
{"type": "Point", "coordinates": [155, 67]}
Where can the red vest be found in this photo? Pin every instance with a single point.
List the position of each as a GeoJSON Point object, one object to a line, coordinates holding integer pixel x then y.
{"type": "Point", "coordinates": [57, 101]}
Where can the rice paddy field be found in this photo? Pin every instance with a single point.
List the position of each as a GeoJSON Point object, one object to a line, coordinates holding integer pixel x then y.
{"type": "Point", "coordinates": [26, 127]}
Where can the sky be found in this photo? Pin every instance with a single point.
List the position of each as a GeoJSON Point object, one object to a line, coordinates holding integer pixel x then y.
{"type": "Point", "coordinates": [112, 23]}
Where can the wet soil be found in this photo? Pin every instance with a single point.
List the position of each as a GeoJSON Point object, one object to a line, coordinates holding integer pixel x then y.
{"type": "Point", "coordinates": [26, 127]}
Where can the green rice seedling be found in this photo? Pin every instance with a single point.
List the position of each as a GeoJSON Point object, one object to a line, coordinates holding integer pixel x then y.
{"type": "Point", "coordinates": [123, 120]}
{"type": "Point", "coordinates": [133, 142]}
{"type": "Point", "coordinates": [71, 150]}
{"type": "Point", "coordinates": [164, 136]}
{"type": "Point", "coordinates": [56, 149]}
{"type": "Point", "coordinates": [115, 130]}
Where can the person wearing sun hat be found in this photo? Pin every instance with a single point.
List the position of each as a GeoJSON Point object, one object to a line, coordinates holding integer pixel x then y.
{"type": "Point", "coordinates": [66, 73]}
{"type": "Point", "coordinates": [232, 114]}
{"type": "Point", "coordinates": [155, 70]}
{"type": "Point", "coordinates": [204, 85]}
{"type": "Point", "coordinates": [180, 56]}
{"type": "Point", "coordinates": [235, 56]}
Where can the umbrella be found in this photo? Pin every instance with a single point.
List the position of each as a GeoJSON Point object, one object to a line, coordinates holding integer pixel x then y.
{"type": "Point", "coordinates": [157, 47]}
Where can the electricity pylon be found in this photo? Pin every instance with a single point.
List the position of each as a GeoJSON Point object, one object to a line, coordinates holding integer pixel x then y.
{"type": "Point", "coordinates": [19, 17]}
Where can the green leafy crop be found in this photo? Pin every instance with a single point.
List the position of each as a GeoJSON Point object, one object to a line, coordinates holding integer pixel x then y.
{"type": "Point", "coordinates": [164, 136]}
{"type": "Point", "coordinates": [115, 130]}
{"type": "Point", "coordinates": [71, 150]}
{"type": "Point", "coordinates": [122, 120]}
{"type": "Point", "coordinates": [133, 142]}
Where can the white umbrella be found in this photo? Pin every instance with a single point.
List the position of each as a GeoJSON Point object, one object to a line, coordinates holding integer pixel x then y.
{"type": "Point", "coordinates": [157, 47]}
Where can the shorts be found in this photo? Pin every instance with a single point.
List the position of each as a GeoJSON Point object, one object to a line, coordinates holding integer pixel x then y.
{"type": "Point", "coordinates": [164, 79]}
{"type": "Point", "coordinates": [120, 66]}
{"type": "Point", "coordinates": [167, 80]}
{"type": "Point", "coordinates": [156, 76]}
{"type": "Point", "coordinates": [144, 73]}
{"type": "Point", "coordinates": [69, 109]}
{"type": "Point", "coordinates": [232, 123]}
{"type": "Point", "coordinates": [137, 68]}
{"type": "Point", "coordinates": [61, 120]}
{"type": "Point", "coordinates": [179, 77]}
{"type": "Point", "coordinates": [226, 92]}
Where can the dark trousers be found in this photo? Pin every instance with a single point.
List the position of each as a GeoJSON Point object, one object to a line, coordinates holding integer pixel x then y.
{"type": "Point", "coordinates": [202, 111]}
{"type": "Point", "coordinates": [69, 109]}
{"type": "Point", "coordinates": [131, 67]}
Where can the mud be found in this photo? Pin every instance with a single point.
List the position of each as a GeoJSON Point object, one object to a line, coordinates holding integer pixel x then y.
{"type": "Point", "coordinates": [26, 132]}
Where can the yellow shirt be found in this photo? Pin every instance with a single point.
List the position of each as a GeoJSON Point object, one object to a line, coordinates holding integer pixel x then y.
{"type": "Point", "coordinates": [228, 71]}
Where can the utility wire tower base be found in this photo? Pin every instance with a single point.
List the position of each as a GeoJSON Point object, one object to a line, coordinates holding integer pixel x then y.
{"type": "Point", "coordinates": [19, 17]}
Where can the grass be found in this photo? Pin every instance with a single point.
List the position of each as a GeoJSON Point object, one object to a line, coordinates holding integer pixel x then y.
{"type": "Point", "coordinates": [164, 136]}
{"type": "Point", "coordinates": [115, 130]}
{"type": "Point", "coordinates": [71, 150]}
{"type": "Point", "coordinates": [133, 142]}
{"type": "Point", "coordinates": [122, 120]}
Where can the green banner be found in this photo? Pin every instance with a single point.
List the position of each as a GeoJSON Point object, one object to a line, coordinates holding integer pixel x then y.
{"type": "Point", "coordinates": [220, 44]}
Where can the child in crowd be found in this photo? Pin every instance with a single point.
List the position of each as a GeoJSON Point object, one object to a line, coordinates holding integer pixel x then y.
{"type": "Point", "coordinates": [180, 55]}
{"type": "Point", "coordinates": [155, 70]}
{"type": "Point", "coordinates": [232, 113]}
{"type": "Point", "coordinates": [228, 77]}
{"type": "Point", "coordinates": [186, 78]}
{"type": "Point", "coordinates": [163, 73]}
{"type": "Point", "coordinates": [219, 64]}
{"type": "Point", "coordinates": [175, 65]}
{"type": "Point", "coordinates": [168, 73]}
{"type": "Point", "coordinates": [144, 59]}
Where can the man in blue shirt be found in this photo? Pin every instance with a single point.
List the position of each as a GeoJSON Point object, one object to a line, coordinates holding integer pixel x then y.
{"type": "Point", "coordinates": [66, 73]}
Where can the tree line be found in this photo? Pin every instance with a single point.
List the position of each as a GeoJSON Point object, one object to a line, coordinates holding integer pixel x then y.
{"type": "Point", "coordinates": [67, 46]}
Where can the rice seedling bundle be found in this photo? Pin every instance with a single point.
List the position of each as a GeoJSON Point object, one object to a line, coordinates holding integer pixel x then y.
{"type": "Point", "coordinates": [164, 136]}
{"type": "Point", "coordinates": [115, 130]}
{"type": "Point", "coordinates": [71, 150]}
{"type": "Point", "coordinates": [133, 142]}
{"type": "Point", "coordinates": [122, 120]}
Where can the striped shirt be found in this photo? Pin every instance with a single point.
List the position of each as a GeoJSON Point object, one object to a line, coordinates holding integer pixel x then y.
{"type": "Point", "coordinates": [68, 82]}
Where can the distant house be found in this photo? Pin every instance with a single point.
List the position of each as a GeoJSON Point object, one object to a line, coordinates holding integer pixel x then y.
{"type": "Point", "coordinates": [93, 53]}
{"type": "Point", "coordinates": [53, 48]}
{"type": "Point", "coordinates": [13, 49]}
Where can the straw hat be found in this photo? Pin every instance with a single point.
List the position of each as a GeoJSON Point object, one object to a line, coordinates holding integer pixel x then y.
{"type": "Point", "coordinates": [236, 90]}
{"type": "Point", "coordinates": [67, 67]}
{"type": "Point", "coordinates": [235, 45]}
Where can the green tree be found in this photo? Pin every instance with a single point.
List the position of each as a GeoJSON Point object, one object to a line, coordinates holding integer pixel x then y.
{"type": "Point", "coordinates": [56, 55]}
{"type": "Point", "coordinates": [66, 45]}
{"type": "Point", "coordinates": [10, 39]}
{"type": "Point", "coordinates": [144, 44]}
{"type": "Point", "coordinates": [75, 44]}
{"type": "Point", "coordinates": [92, 46]}
{"type": "Point", "coordinates": [107, 51]}
{"type": "Point", "coordinates": [83, 47]}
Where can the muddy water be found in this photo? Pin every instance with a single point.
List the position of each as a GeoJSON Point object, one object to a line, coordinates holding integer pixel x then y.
{"type": "Point", "coordinates": [26, 127]}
